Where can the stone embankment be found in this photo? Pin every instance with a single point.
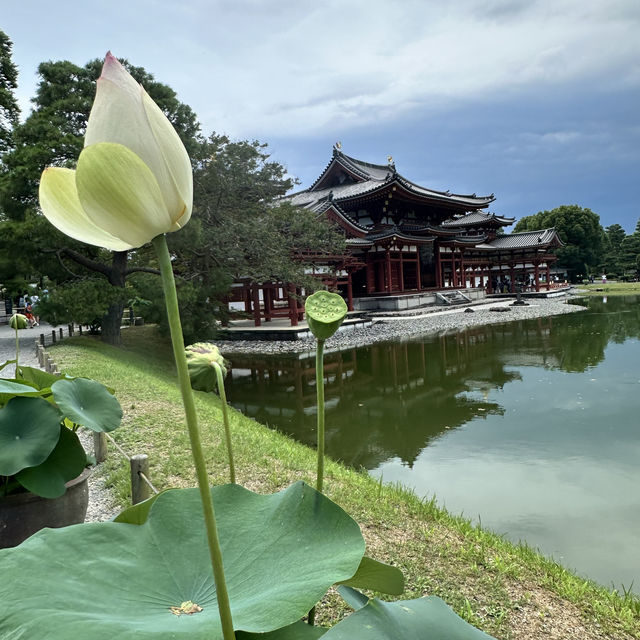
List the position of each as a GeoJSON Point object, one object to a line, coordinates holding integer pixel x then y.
{"type": "Point", "coordinates": [405, 327]}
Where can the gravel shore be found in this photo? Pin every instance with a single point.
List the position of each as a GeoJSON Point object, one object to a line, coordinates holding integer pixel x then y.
{"type": "Point", "coordinates": [404, 327]}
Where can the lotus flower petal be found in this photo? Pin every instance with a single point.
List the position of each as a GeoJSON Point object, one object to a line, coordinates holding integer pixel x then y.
{"type": "Point", "coordinates": [118, 192]}
{"type": "Point", "coordinates": [124, 113]}
{"type": "Point", "coordinates": [60, 204]}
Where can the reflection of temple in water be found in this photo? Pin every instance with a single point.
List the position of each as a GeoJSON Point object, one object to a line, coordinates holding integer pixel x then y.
{"type": "Point", "coordinates": [393, 399]}
{"type": "Point", "coordinates": [381, 401]}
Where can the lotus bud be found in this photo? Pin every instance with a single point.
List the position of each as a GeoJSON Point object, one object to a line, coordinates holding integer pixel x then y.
{"type": "Point", "coordinates": [133, 180]}
{"type": "Point", "coordinates": [18, 321]}
{"type": "Point", "coordinates": [201, 358]}
{"type": "Point", "coordinates": [325, 312]}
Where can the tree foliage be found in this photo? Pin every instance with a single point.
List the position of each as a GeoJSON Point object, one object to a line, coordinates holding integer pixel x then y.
{"type": "Point", "coordinates": [580, 231]}
{"type": "Point", "coordinates": [9, 110]}
{"type": "Point", "coordinates": [53, 134]}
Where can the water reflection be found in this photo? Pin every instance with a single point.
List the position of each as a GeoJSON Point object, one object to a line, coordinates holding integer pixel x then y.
{"type": "Point", "coordinates": [531, 425]}
{"type": "Point", "coordinates": [392, 400]}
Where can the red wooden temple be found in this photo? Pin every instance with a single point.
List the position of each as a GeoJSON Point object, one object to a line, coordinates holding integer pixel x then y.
{"type": "Point", "coordinates": [403, 238]}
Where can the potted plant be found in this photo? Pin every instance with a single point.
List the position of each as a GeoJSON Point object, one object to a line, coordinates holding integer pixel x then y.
{"type": "Point", "coordinates": [43, 466]}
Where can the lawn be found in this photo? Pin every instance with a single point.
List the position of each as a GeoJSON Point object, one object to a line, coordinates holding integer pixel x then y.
{"type": "Point", "coordinates": [612, 288]}
{"type": "Point", "coordinates": [507, 590]}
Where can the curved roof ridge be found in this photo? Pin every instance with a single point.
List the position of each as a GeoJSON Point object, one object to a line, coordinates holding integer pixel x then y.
{"type": "Point", "coordinates": [518, 233]}
{"type": "Point", "coordinates": [415, 186]}
{"type": "Point", "coordinates": [372, 165]}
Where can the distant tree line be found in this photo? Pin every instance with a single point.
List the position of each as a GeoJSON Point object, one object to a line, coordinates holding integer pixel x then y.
{"type": "Point", "coordinates": [588, 248]}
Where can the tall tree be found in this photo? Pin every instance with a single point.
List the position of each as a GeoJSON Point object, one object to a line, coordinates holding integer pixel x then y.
{"type": "Point", "coordinates": [581, 232]}
{"type": "Point", "coordinates": [614, 237]}
{"type": "Point", "coordinates": [53, 135]}
{"type": "Point", "coordinates": [9, 109]}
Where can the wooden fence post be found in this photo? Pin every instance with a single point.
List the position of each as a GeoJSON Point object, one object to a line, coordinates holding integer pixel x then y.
{"type": "Point", "coordinates": [53, 336]}
{"type": "Point", "coordinates": [61, 336]}
{"type": "Point", "coordinates": [100, 446]}
{"type": "Point", "coordinates": [139, 488]}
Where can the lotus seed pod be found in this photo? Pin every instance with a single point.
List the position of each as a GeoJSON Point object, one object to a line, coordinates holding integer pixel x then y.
{"type": "Point", "coordinates": [18, 321]}
{"type": "Point", "coordinates": [201, 358]}
{"type": "Point", "coordinates": [325, 312]}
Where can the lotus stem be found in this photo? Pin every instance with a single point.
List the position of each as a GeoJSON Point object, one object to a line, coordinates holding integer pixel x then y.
{"type": "Point", "coordinates": [320, 405]}
{"type": "Point", "coordinates": [177, 341]}
{"type": "Point", "coordinates": [320, 408]}
{"type": "Point", "coordinates": [17, 351]}
{"type": "Point", "coordinates": [225, 418]}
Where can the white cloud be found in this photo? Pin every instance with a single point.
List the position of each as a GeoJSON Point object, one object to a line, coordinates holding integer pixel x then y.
{"type": "Point", "coordinates": [289, 67]}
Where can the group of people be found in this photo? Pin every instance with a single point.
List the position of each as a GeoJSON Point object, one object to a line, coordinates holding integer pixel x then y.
{"type": "Point", "coordinates": [27, 305]}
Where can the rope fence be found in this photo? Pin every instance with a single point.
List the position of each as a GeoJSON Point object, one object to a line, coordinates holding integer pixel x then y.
{"type": "Point", "coordinates": [138, 466]}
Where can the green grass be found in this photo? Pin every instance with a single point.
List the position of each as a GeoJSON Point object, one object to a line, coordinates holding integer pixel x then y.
{"type": "Point", "coordinates": [507, 590]}
{"type": "Point", "coordinates": [611, 288]}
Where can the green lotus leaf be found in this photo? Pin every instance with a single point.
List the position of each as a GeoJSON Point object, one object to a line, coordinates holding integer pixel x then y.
{"type": "Point", "coordinates": [40, 379]}
{"type": "Point", "coordinates": [377, 576]}
{"type": "Point", "coordinates": [29, 430]}
{"type": "Point", "coordinates": [137, 513]}
{"type": "Point", "coordinates": [65, 463]}
{"type": "Point", "coordinates": [421, 619]}
{"type": "Point", "coordinates": [297, 631]}
{"type": "Point", "coordinates": [12, 388]}
{"type": "Point", "coordinates": [325, 312]}
{"type": "Point", "coordinates": [88, 403]}
{"type": "Point", "coordinates": [281, 553]}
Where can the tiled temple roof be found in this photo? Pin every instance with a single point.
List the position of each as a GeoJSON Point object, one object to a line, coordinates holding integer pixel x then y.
{"type": "Point", "coordinates": [366, 177]}
{"type": "Point", "coordinates": [478, 218]}
{"type": "Point", "coordinates": [523, 240]}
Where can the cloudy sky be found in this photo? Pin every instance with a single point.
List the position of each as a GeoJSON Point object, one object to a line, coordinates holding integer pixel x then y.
{"type": "Point", "coordinates": [537, 101]}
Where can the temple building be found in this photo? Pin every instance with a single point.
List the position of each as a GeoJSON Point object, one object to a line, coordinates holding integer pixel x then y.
{"type": "Point", "coordinates": [405, 241]}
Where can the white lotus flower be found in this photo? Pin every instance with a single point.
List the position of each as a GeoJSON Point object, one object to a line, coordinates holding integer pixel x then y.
{"type": "Point", "coordinates": [133, 181]}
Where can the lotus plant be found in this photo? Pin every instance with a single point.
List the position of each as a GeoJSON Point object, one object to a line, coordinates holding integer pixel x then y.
{"type": "Point", "coordinates": [282, 552]}
{"type": "Point", "coordinates": [17, 322]}
{"type": "Point", "coordinates": [133, 181]}
{"type": "Point", "coordinates": [207, 370]}
{"type": "Point", "coordinates": [132, 185]}
{"type": "Point", "coordinates": [325, 312]}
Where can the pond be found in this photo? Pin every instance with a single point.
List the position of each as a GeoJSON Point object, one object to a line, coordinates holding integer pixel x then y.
{"type": "Point", "coordinates": [530, 427]}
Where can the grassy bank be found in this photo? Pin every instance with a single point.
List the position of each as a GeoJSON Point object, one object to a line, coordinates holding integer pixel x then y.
{"type": "Point", "coordinates": [509, 591]}
{"type": "Point", "coordinates": [611, 288]}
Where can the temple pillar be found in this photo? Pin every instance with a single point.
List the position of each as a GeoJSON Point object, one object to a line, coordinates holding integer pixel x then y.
{"type": "Point", "coordinates": [438, 268]}
{"type": "Point", "coordinates": [536, 275]}
{"type": "Point", "coordinates": [255, 299]}
{"type": "Point", "coordinates": [267, 293]}
{"type": "Point", "coordinates": [387, 265]}
{"type": "Point", "coordinates": [349, 291]}
{"type": "Point", "coordinates": [418, 278]}
{"type": "Point", "coordinates": [548, 277]}
{"type": "Point", "coordinates": [371, 274]}
{"type": "Point", "coordinates": [401, 272]}
{"type": "Point", "coordinates": [293, 306]}
{"type": "Point", "coordinates": [246, 296]}
{"type": "Point", "coordinates": [512, 283]}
